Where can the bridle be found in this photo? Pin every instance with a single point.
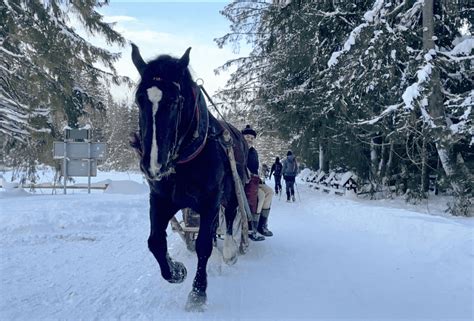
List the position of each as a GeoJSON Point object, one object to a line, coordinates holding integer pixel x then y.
{"type": "Point", "coordinates": [200, 117]}
{"type": "Point", "coordinates": [179, 139]}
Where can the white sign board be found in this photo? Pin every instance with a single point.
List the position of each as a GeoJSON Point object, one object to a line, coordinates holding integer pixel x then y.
{"type": "Point", "coordinates": [79, 150]}
{"type": "Point", "coordinates": [79, 167]}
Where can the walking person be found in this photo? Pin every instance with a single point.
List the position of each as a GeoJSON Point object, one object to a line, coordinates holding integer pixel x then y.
{"type": "Point", "coordinates": [276, 171]}
{"type": "Point", "coordinates": [290, 169]}
{"type": "Point", "coordinates": [259, 195]}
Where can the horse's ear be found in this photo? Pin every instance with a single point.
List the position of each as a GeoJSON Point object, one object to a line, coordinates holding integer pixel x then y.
{"type": "Point", "coordinates": [137, 59]}
{"type": "Point", "coordinates": [184, 60]}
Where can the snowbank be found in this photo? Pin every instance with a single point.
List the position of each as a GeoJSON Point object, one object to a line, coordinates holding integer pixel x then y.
{"type": "Point", "coordinates": [126, 187]}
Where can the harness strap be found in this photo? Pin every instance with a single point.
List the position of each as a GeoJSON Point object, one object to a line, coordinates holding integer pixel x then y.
{"type": "Point", "coordinates": [197, 115]}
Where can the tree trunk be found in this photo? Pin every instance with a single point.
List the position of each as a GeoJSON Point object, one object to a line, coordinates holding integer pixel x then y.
{"type": "Point", "coordinates": [323, 159]}
{"type": "Point", "coordinates": [428, 26]}
{"type": "Point", "coordinates": [321, 156]}
{"type": "Point", "coordinates": [436, 111]}
{"type": "Point", "coordinates": [382, 162]}
{"type": "Point", "coordinates": [435, 105]}
{"type": "Point", "coordinates": [388, 167]}
{"type": "Point", "coordinates": [374, 157]}
{"type": "Point", "coordinates": [424, 168]}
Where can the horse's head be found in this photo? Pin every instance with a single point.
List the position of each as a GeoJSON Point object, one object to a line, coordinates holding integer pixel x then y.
{"type": "Point", "coordinates": [162, 95]}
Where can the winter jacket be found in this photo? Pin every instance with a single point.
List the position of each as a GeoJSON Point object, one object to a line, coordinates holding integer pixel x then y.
{"type": "Point", "coordinates": [290, 166]}
{"type": "Point", "coordinates": [252, 161]}
{"type": "Point", "coordinates": [276, 169]}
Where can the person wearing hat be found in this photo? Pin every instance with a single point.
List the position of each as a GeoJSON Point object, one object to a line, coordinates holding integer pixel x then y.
{"type": "Point", "coordinates": [290, 169]}
{"type": "Point", "coordinates": [258, 194]}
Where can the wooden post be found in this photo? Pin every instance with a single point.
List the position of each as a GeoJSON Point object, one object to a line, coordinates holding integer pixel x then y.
{"type": "Point", "coordinates": [241, 198]}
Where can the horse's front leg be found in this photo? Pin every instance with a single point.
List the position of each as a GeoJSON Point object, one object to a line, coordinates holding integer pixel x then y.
{"type": "Point", "coordinates": [197, 297]}
{"type": "Point", "coordinates": [161, 211]}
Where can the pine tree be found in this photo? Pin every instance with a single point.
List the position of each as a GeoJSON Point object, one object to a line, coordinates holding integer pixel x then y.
{"type": "Point", "coordinates": [48, 69]}
{"type": "Point", "coordinates": [355, 83]}
{"type": "Point", "coordinates": [121, 121]}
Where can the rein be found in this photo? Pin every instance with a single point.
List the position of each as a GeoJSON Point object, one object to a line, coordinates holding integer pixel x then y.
{"type": "Point", "coordinates": [224, 125]}
{"type": "Point", "coordinates": [217, 110]}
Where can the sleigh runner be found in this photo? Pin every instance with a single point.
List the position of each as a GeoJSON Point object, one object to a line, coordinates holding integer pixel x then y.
{"type": "Point", "coordinates": [188, 229]}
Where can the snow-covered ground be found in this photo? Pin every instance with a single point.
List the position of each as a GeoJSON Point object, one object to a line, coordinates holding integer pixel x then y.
{"type": "Point", "coordinates": [85, 257]}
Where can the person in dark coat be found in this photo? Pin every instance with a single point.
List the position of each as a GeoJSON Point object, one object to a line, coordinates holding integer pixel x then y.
{"type": "Point", "coordinates": [258, 194]}
{"type": "Point", "coordinates": [276, 171]}
{"type": "Point", "coordinates": [289, 170]}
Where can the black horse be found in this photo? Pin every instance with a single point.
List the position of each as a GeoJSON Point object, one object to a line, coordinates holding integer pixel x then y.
{"type": "Point", "coordinates": [182, 155]}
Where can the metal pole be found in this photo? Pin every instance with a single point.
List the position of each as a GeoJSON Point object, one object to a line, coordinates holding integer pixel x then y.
{"type": "Point", "coordinates": [89, 167]}
{"type": "Point", "coordinates": [297, 192]}
{"type": "Point", "coordinates": [65, 164]}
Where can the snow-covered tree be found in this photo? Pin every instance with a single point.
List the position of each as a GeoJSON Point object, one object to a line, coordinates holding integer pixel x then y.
{"type": "Point", "coordinates": [45, 62]}
{"type": "Point", "coordinates": [121, 120]}
{"type": "Point", "coordinates": [47, 70]}
{"type": "Point", "coordinates": [410, 77]}
{"type": "Point", "coordinates": [360, 84]}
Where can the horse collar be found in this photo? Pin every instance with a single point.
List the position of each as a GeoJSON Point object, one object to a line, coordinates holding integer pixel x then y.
{"type": "Point", "coordinates": [199, 136]}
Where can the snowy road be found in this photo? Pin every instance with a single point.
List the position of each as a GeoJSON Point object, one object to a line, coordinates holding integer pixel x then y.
{"type": "Point", "coordinates": [71, 257]}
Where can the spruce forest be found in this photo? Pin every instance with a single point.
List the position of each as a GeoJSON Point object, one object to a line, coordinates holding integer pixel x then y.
{"type": "Point", "coordinates": [381, 88]}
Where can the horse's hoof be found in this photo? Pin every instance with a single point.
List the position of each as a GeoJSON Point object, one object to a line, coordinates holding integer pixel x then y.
{"type": "Point", "coordinates": [231, 260]}
{"type": "Point", "coordinates": [229, 252]}
{"type": "Point", "coordinates": [196, 301]}
{"type": "Point", "coordinates": [178, 272]}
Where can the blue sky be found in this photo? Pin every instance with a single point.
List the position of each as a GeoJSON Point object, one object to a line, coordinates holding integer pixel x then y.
{"type": "Point", "coordinates": [197, 18]}
{"type": "Point", "coordinates": [163, 27]}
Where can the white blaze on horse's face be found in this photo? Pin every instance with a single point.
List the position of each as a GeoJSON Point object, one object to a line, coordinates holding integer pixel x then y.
{"type": "Point", "coordinates": [154, 95]}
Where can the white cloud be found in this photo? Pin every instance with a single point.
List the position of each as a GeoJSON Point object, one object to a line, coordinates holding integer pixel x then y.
{"type": "Point", "coordinates": [119, 19]}
{"type": "Point", "coordinates": [204, 57]}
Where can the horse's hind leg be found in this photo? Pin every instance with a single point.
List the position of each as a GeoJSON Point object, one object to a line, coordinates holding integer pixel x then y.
{"type": "Point", "coordinates": [161, 211]}
{"type": "Point", "coordinates": [197, 297]}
